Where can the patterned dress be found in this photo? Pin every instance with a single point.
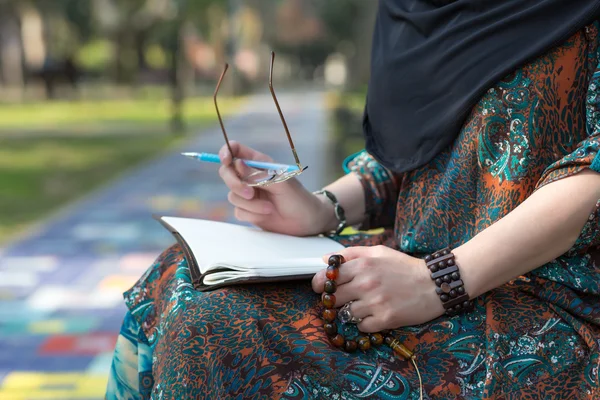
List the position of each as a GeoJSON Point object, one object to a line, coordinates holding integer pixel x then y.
{"type": "Point", "coordinates": [535, 337]}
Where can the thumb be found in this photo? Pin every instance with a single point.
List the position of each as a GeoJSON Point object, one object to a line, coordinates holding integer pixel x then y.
{"type": "Point", "coordinates": [350, 253]}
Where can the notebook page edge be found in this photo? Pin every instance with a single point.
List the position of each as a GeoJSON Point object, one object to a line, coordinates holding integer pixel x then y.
{"type": "Point", "coordinates": [210, 249]}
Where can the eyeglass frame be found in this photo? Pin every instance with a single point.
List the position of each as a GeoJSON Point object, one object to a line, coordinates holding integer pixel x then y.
{"type": "Point", "coordinates": [289, 137]}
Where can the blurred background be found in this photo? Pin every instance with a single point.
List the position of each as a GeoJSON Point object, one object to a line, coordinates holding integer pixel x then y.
{"type": "Point", "coordinates": [97, 100]}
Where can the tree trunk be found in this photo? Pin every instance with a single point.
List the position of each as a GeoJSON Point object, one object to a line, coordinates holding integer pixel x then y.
{"type": "Point", "coordinates": [177, 123]}
{"type": "Point", "coordinates": [181, 77]}
{"type": "Point", "coordinates": [11, 55]}
{"type": "Point", "coordinates": [120, 46]}
{"type": "Point", "coordinates": [140, 48]}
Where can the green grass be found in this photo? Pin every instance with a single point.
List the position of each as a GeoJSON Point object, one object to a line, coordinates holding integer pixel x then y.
{"type": "Point", "coordinates": [40, 173]}
{"type": "Point", "coordinates": [150, 115]}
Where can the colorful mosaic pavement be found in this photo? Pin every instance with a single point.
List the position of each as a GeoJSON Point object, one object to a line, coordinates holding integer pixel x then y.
{"type": "Point", "coordinates": [61, 287]}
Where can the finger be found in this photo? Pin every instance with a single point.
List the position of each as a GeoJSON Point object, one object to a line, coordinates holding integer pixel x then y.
{"type": "Point", "coordinates": [247, 216]}
{"type": "Point", "coordinates": [351, 253]}
{"type": "Point", "coordinates": [255, 206]}
{"type": "Point", "coordinates": [371, 324]}
{"type": "Point", "coordinates": [234, 183]}
{"type": "Point", "coordinates": [347, 292]}
{"type": "Point", "coordinates": [241, 151]}
{"type": "Point", "coordinates": [242, 170]}
{"type": "Point", "coordinates": [358, 308]}
{"type": "Point", "coordinates": [347, 272]}
{"type": "Point", "coordinates": [318, 281]}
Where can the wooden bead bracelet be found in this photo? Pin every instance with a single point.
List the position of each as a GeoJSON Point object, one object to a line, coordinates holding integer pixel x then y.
{"type": "Point", "coordinates": [363, 341]}
{"type": "Point", "coordinates": [449, 285]}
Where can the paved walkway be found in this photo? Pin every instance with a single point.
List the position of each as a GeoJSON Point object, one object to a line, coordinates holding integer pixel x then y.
{"type": "Point", "coordinates": [61, 288]}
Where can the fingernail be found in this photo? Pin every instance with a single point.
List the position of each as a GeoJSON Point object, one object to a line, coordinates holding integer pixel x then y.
{"type": "Point", "coordinates": [267, 209]}
{"type": "Point", "coordinates": [222, 154]}
{"type": "Point", "coordinates": [247, 193]}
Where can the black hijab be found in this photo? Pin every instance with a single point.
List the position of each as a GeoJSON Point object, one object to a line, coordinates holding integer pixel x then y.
{"type": "Point", "coordinates": [432, 60]}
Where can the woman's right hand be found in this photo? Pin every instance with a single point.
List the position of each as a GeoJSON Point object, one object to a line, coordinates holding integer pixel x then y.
{"type": "Point", "coordinates": [285, 207]}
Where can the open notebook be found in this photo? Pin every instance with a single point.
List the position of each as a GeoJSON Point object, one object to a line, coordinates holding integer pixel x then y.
{"type": "Point", "coordinates": [221, 254]}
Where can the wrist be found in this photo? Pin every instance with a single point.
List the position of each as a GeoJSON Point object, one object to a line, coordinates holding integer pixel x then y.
{"type": "Point", "coordinates": [326, 220]}
{"type": "Point", "coordinates": [470, 274]}
{"type": "Point", "coordinates": [332, 215]}
{"type": "Point", "coordinates": [428, 296]}
{"type": "Point", "coordinates": [450, 286]}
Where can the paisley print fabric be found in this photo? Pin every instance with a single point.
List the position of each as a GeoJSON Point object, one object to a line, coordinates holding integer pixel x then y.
{"type": "Point", "coordinates": [380, 187]}
{"type": "Point", "coordinates": [535, 337]}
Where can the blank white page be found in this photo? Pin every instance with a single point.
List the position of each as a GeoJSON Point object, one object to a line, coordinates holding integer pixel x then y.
{"type": "Point", "coordinates": [213, 242]}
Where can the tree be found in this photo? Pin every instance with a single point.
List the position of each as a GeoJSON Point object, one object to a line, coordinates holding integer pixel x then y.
{"type": "Point", "coordinates": [351, 22]}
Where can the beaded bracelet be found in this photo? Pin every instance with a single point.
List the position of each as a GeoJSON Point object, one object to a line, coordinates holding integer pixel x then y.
{"type": "Point", "coordinates": [363, 341]}
{"type": "Point", "coordinates": [449, 286]}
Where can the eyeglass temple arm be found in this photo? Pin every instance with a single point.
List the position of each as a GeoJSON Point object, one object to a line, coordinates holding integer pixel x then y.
{"type": "Point", "coordinates": [217, 108]}
{"type": "Point", "coordinates": [280, 113]}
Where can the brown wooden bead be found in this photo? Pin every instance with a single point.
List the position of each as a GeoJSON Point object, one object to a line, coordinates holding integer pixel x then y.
{"type": "Point", "coordinates": [442, 264]}
{"type": "Point", "coordinates": [329, 314]}
{"type": "Point", "coordinates": [444, 297]}
{"type": "Point", "coordinates": [452, 293]}
{"type": "Point", "coordinates": [466, 304]}
{"type": "Point", "coordinates": [329, 300]}
{"type": "Point", "coordinates": [376, 339]}
{"type": "Point", "coordinates": [337, 340]}
{"type": "Point", "coordinates": [332, 273]}
{"type": "Point", "coordinates": [330, 286]}
{"type": "Point", "coordinates": [447, 278]}
{"type": "Point", "coordinates": [445, 252]}
{"type": "Point", "coordinates": [438, 281]}
{"type": "Point", "coordinates": [350, 346]}
{"type": "Point", "coordinates": [455, 276]}
{"type": "Point", "coordinates": [335, 260]}
{"type": "Point", "coordinates": [330, 329]}
{"type": "Point", "coordinates": [460, 290]}
{"type": "Point", "coordinates": [450, 262]}
{"type": "Point", "coordinates": [428, 258]}
{"type": "Point", "coordinates": [433, 268]}
{"type": "Point", "coordinates": [388, 340]}
{"type": "Point", "coordinates": [364, 343]}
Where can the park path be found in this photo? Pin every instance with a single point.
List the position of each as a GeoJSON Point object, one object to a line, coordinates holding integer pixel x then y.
{"type": "Point", "coordinates": [61, 287]}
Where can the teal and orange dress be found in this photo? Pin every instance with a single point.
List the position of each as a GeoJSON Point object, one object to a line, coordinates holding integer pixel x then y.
{"type": "Point", "coordinates": [535, 337]}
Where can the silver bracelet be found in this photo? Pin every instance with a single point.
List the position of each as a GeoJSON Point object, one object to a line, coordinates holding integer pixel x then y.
{"type": "Point", "coordinates": [340, 214]}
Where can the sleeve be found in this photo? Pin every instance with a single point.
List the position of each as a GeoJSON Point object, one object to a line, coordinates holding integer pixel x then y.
{"type": "Point", "coordinates": [380, 188]}
{"type": "Point", "coordinates": [584, 156]}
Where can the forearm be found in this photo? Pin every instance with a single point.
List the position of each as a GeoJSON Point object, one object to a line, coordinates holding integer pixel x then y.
{"type": "Point", "coordinates": [350, 194]}
{"type": "Point", "coordinates": [542, 228]}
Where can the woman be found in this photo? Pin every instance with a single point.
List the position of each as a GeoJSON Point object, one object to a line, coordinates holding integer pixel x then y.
{"type": "Point", "coordinates": [482, 128]}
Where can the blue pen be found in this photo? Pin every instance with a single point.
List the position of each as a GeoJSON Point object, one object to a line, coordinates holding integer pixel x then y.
{"type": "Point", "coordinates": [214, 158]}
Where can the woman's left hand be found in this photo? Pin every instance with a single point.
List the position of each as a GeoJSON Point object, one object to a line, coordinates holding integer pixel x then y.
{"type": "Point", "coordinates": [389, 289]}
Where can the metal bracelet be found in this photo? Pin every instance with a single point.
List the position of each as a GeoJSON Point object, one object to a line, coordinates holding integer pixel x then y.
{"type": "Point", "coordinates": [340, 214]}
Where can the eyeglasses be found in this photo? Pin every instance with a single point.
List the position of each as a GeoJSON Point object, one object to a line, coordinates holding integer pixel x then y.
{"type": "Point", "coordinates": [271, 173]}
